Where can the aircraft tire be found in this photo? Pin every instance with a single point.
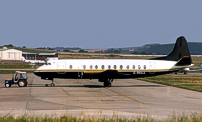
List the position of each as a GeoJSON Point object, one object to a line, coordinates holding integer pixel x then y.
{"type": "Point", "coordinates": [52, 84]}
{"type": "Point", "coordinates": [107, 84]}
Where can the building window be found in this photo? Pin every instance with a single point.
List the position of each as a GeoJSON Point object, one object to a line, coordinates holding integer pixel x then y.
{"type": "Point", "coordinates": [70, 66]}
{"type": "Point", "coordinates": [91, 66]}
{"type": "Point", "coordinates": [114, 66]}
{"type": "Point", "coordinates": [121, 66]}
{"type": "Point", "coordinates": [96, 66]}
{"type": "Point", "coordinates": [133, 66]}
{"type": "Point", "coordinates": [139, 67]}
{"type": "Point", "coordinates": [84, 66]}
{"type": "Point", "coordinates": [127, 67]}
{"type": "Point", "coordinates": [109, 67]}
{"type": "Point", "coordinates": [102, 66]}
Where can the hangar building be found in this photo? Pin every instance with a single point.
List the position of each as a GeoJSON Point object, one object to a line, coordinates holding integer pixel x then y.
{"type": "Point", "coordinates": [39, 56]}
{"type": "Point", "coordinates": [10, 54]}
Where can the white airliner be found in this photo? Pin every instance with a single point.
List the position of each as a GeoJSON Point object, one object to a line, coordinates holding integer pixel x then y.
{"type": "Point", "coordinates": [33, 61]}
{"type": "Point", "coordinates": [106, 70]}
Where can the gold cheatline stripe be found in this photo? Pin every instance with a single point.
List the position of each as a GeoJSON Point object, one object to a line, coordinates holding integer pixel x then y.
{"type": "Point", "coordinates": [100, 70]}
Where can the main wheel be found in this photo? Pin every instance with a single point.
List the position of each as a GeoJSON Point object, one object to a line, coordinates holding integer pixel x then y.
{"type": "Point", "coordinates": [107, 84]}
{"type": "Point", "coordinates": [22, 83]}
{"type": "Point", "coordinates": [52, 84]}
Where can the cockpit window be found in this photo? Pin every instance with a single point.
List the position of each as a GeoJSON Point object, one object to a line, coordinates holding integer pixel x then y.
{"type": "Point", "coordinates": [47, 63]}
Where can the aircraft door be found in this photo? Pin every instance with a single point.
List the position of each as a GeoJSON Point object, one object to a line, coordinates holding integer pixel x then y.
{"type": "Point", "coordinates": [80, 72]}
{"type": "Point", "coordinates": [152, 67]}
{"type": "Point", "coordinates": [61, 67]}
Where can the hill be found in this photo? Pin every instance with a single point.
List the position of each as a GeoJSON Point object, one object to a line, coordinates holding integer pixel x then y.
{"type": "Point", "coordinates": [194, 47]}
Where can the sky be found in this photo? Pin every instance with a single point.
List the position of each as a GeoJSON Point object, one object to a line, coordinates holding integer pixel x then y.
{"type": "Point", "coordinates": [98, 24]}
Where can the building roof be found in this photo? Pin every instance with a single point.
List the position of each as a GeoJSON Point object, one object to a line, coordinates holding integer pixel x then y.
{"type": "Point", "coordinates": [9, 49]}
{"type": "Point", "coordinates": [47, 53]}
{"type": "Point", "coordinates": [28, 53]}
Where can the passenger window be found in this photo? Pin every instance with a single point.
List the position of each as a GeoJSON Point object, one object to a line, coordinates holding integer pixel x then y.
{"type": "Point", "coordinates": [133, 66]}
{"type": "Point", "coordinates": [121, 66]}
{"type": "Point", "coordinates": [96, 66]}
{"type": "Point", "coordinates": [84, 66]}
{"type": "Point", "coordinates": [127, 67]}
{"type": "Point", "coordinates": [114, 66]}
{"type": "Point", "coordinates": [70, 66]}
{"type": "Point", "coordinates": [91, 66]}
{"type": "Point", "coordinates": [109, 67]}
{"type": "Point", "coordinates": [139, 67]}
{"type": "Point", "coordinates": [102, 66]}
{"type": "Point", "coordinates": [145, 67]}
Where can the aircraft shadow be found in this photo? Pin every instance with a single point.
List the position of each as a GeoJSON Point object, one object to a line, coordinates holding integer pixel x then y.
{"type": "Point", "coordinates": [92, 86]}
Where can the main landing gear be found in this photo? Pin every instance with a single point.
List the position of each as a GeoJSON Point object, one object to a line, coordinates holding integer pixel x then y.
{"type": "Point", "coordinates": [106, 82]}
{"type": "Point", "coordinates": [52, 84]}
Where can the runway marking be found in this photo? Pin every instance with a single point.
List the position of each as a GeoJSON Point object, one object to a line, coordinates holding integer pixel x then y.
{"type": "Point", "coordinates": [127, 96]}
{"type": "Point", "coordinates": [124, 95]}
{"type": "Point", "coordinates": [108, 100]}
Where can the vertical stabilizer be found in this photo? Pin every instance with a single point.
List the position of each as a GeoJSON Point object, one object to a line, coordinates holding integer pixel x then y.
{"type": "Point", "coordinates": [180, 51]}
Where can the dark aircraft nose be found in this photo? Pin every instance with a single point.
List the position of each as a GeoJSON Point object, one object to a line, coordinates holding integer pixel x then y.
{"type": "Point", "coordinates": [37, 73]}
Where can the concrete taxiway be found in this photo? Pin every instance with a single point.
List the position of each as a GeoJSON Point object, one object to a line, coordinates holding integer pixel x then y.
{"type": "Point", "coordinates": [128, 98]}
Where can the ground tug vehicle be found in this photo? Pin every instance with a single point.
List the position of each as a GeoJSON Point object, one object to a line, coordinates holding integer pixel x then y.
{"type": "Point", "coordinates": [19, 78]}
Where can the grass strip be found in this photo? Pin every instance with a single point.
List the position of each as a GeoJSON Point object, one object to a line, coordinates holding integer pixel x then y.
{"type": "Point", "coordinates": [174, 118]}
{"type": "Point", "coordinates": [7, 66]}
{"type": "Point", "coordinates": [185, 81]}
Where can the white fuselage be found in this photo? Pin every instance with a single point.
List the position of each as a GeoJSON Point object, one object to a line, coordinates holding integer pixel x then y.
{"type": "Point", "coordinates": [100, 65]}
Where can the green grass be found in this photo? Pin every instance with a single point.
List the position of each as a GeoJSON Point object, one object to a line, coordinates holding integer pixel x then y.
{"type": "Point", "coordinates": [185, 81]}
{"type": "Point", "coordinates": [8, 66]}
{"type": "Point", "coordinates": [184, 118]}
{"type": "Point", "coordinates": [16, 66]}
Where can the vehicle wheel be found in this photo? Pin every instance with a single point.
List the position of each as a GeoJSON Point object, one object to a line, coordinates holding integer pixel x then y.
{"type": "Point", "coordinates": [46, 85]}
{"type": "Point", "coordinates": [7, 85]}
{"type": "Point", "coordinates": [52, 84]}
{"type": "Point", "coordinates": [22, 83]}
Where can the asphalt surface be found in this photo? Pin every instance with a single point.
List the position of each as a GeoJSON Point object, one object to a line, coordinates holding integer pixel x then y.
{"type": "Point", "coordinates": [128, 98]}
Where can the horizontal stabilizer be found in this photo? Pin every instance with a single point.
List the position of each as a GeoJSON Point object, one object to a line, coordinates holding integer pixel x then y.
{"type": "Point", "coordinates": [186, 60]}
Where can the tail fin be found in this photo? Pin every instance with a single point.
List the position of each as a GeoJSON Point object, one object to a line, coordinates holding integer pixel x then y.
{"type": "Point", "coordinates": [180, 50]}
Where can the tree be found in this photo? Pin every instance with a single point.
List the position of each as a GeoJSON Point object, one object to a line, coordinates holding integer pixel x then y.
{"type": "Point", "coordinates": [116, 51]}
{"type": "Point", "coordinates": [82, 51]}
{"type": "Point", "coordinates": [66, 50]}
{"type": "Point", "coordinates": [9, 45]}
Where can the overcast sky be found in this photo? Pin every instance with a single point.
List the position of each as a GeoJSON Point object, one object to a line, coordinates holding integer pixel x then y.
{"type": "Point", "coordinates": [98, 23]}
